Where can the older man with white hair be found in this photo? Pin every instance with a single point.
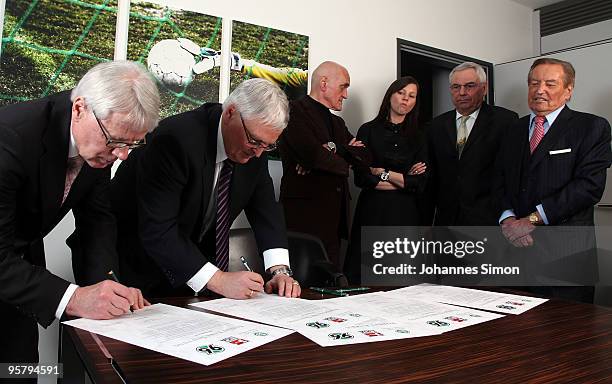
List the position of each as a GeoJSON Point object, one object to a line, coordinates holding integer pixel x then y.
{"type": "Point", "coordinates": [464, 146]}
{"type": "Point", "coordinates": [55, 156]}
{"type": "Point", "coordinates": [176, 198]}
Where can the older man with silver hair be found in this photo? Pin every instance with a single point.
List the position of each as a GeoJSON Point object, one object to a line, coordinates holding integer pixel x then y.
{"type": "Point", "coordinates": [176, 198]}
{"type": "Point", "coordinates": [464, 145]}
{"type": "Point", "coordinates": [55, 156]}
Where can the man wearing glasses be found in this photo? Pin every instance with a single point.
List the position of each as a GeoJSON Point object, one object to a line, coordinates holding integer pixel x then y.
{"type": "Point", "coordinates": [464, 145]}
{"type": "Point", "coordinates": [55, 156]}
{"type": "Point", "coordinates": [176, 198]}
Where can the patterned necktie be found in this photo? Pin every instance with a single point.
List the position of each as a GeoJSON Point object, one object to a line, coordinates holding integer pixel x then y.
{"type": "Point", "coordinates": [222, 223]}
{"type": "Point", "coordinates": [462, 134]}
{"type": "Point", "coordinates": [538, 133]}
{"type": "Point", "coordinates": [73, 168]}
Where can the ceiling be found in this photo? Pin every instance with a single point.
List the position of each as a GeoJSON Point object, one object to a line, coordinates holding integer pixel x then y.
{"type": "Point", "coordinates": [535, 4]}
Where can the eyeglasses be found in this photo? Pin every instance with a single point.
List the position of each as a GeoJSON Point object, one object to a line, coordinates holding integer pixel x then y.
{"type": "Point", "coordinates": [114, 143]}
{"type": "Point", "coordinates": [469, 87]}
{"type": "Point", "coordinates": [257, 143]}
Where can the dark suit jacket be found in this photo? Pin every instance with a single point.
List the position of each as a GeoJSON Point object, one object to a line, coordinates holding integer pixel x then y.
{"type": "Point", "coordinates": [462, 190]}
{"type": "Point", "coordinates": [567, 185]}
{"type": "Point", "coordinates": [325, 188]}
{"type": "Point", "coordinates": [160, 194]}
{"type": "Point", "coordinates": [34, 139]}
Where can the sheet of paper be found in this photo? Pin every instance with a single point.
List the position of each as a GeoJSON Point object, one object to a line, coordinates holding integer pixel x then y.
{"type": "Point", "coordinates": [473, 298]}
{"type": "Point", "coordinates": [346, 326]}
{"type": "Point", "coordinates": [191, 335]}
{"type": "Point", "coordinates": [264, 308]}
{"type": "Point", "coordinates": [431, 317]}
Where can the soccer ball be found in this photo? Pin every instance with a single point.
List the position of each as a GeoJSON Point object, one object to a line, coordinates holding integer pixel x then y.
{"type": "Point", "coordinates": [171, 62]}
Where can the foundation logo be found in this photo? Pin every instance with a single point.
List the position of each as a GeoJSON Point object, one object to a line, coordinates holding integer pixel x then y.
{"type": "Point", "coordinates": [438, 323]}
{"type": "Point", "coordinates": [235, 340]}
{"type": "Point", "coordinates": [455, 319]}
{"type": "Point", "coordinates": [210, 349]}
{"type": "Point", "coordinates": [260, 334]}
{"type": "Point", "coordinates": [317, 325]}
{"type": "Point", "coordinates": [340, 336]}
{"type": "Point", "coordinates": [335, 319]}
{"type": "Point", "coordinates": [371, 333]}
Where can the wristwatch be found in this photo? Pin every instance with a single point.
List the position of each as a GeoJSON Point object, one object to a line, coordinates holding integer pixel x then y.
{"type": "Point", "coordinates": [384, 176]}
{"type": "Point", "coordinates": [534, 219]}
{"type": "Point", "coordinates": [332, 146]}
{"type": "Point", "coordinates": [282, 271]}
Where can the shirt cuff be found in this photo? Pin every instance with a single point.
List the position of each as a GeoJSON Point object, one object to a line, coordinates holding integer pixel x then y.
{"type": "Point", "coordinates": [201, 278]}
{"type": "Point", "coordinates": [540, 209]}
{"type": "Point", "coordinates": [61, 307]}
{"type": "Point", "coordinates": [506, 214]}
{"type": "Point", "coordinates": [276, 256]}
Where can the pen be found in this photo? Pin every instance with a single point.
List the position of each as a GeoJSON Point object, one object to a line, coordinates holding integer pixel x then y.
{"type": "Point", "coordinates": [246, 265]}
{"type": "Point", "coordinates": [116, 280]}
{"type": "Point", "coordinates": [356, 289]}
{"type": "Point", "coordinates": [329, 291]}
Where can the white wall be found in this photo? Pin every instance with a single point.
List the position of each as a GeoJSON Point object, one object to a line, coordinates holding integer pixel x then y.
{"type": "Point", "coordinates": [361, 35]}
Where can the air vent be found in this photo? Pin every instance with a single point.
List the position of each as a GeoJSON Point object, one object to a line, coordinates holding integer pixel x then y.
{"type": "Point", "coordinates": [572, 14]}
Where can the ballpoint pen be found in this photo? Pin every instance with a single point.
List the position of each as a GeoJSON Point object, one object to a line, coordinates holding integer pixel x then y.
{"type": "Point", "coordinates": [246, 265]}
{"type": "Point", "coordinates": [112, 275]}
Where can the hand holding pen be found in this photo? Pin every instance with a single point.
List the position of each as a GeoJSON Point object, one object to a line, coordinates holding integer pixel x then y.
{"type": "Point", "coordinates": [104, 300]}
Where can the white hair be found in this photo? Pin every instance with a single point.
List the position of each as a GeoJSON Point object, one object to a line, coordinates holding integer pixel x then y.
{"type": "Point", "coordinates": [121, 87]}
{"type": "Point", "coordinates": [480, 72]}
{"type": "Point", "coordinates": [260, 99]}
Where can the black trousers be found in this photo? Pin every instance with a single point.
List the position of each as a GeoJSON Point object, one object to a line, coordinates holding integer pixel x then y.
{"type": "Point", "coordinates": [19, 340]}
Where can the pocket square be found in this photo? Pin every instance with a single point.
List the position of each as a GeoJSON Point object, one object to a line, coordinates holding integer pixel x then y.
{"type": "Point", "coordinates": [560, 151]}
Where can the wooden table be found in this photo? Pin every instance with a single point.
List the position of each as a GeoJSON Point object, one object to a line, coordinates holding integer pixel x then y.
{"type": "Point", "coordinates": [557, 342]}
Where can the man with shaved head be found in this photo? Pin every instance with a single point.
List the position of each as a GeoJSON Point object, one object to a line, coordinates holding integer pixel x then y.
{"type": "Point", "coordinates": [317, 149]}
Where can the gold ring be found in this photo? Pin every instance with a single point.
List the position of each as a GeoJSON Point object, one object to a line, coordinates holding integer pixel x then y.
{"type": "Point", "coordinates": [295, 283]}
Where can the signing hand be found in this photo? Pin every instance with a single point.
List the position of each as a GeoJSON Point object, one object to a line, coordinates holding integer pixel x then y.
{"type": "Point", "coordinates": [104, 300]}
{"type": "Point", "coordinates": [417, 169]}
{"type": "Point", "coordinates": [284, 285]}
{"type": "Point", "coordinates": [236, 285]}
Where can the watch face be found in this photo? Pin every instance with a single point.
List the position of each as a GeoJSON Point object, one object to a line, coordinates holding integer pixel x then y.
{"type": "Point", "coordinates": [384, 176]}
{"type": "Point", "coordinates": [331, 145]}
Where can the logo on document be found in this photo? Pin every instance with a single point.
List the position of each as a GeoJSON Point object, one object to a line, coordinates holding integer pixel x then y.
{"type": "Point", "coordinates": [438, 323]}
{"type": "Point", "coordinates": [335, 319]}
{"type": "Point", "coordinates": [514, 303]}
{"type": "Point", "coordinates": [340, 336]}
{"type": "Point", "coordinates": [317, 325]}
{"type": "Point", "coordinates": [371, 333]}
{"type": "Point", "coordinates": [402, 331]}
{"type": "Point", "coordinates": [260, 334]}
{"type": "Point", "coordinates": [210, 349]}
{"type": "Point", "coordinates": [456, 319]}
{"type": "Point", "coordinates": [509, 307]}
{"type": "Point", "coordinates": [235, 340]}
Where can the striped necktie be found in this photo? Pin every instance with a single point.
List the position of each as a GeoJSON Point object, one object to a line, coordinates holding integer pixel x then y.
{"type": "Point", "coordinates": [538, 133]}
{"type": "Point", "coordinates": [223, 223]}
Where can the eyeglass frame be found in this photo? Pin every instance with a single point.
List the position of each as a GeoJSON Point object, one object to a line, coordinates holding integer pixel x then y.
{"type": "Point", "coordinates": [118, 144]}
{"type": "Point", "coordinates": [254, 142]}
{"type": "Point", "coordinates": [469, 87]}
